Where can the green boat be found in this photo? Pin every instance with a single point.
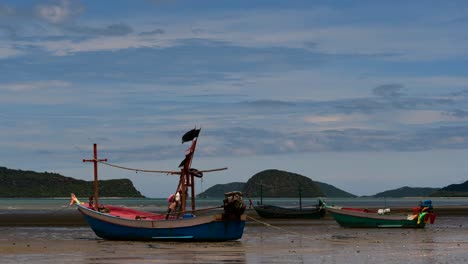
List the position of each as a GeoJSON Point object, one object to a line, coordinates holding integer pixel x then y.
{"type": "Point", "coordinates": [358, 217]}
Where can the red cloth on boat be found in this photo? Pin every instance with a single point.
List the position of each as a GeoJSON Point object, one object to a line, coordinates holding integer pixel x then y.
{"type": "Point", "coordinates": [429, 217]}
{"type": "Point", "coordinates": [169, 199]}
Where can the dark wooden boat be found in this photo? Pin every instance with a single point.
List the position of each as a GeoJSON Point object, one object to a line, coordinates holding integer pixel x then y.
{"type": "Point", "coordinates": [271, 211]}
{"type": "Point", "coordinates": [226, 222]}
{"type": "Point", "coordinates": [359, 217]}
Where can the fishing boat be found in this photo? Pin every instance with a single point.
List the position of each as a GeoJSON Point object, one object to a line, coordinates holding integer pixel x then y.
{"type": "Point", "coordinates": [271, 211]}
{"type": "Point", "coordinates": [221, 223]}
{"type": "Point", "coordinates": [359, 217]}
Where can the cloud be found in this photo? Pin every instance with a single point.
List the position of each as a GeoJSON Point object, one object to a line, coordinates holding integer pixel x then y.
{"type": "Point", "coordinates": [268, 103]}
{"type": "Point", "coordinates": [388, 90]}
{"type": "Point", "coordinates": [7, 52]}
{"type": "Point", "coordinates": [6, 11]}
{"type": "Point", "coordinates": [111, 30]}
{"type": "Point", "coordinates": [157, 31]}
{"type": "Point", "coordinates": [55, 13]}
{"type": "Point", "coordinates": [8, 31]}
{"type": "Point", "coordinates": [29, 86]}
{"type": "Point", "coordinates": [462, 93]}
{"type": "Point", "coordinates": [457, 113]}
{"type": "Point", "coordinates": [101, 43]}
{"type": "Point", "coordinates": [264, 142]}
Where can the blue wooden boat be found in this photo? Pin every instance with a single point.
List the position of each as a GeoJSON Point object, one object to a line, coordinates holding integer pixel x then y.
{"type": "Point", "coordinates": [120, 223]}
{"type": "Point", "coordinates": [221, 223]}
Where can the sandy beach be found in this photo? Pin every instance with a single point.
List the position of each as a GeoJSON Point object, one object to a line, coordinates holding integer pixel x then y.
{"type": "Point", "coordinates": [264, 241]}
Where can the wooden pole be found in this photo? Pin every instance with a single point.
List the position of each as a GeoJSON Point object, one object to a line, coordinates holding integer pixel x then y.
{"type": "Point", "coordinates": [96, 187]}
{"type": "Point", "coordinates": [300, 198]}
{"type": "Point", "coordinates": [192, 181]}
{"type": "Point", "coordinates": [261, 193]}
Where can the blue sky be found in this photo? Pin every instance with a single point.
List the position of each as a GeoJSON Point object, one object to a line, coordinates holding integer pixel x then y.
{"type": "Point", "coordinates": [364, 95]}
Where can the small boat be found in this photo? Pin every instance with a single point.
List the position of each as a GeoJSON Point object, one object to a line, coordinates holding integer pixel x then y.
{"type": "Point", "coordinates": [226, 222]}
{"type": "Point", "coordinates": [271, 211]}
{"type": "Point", "coordinates": [358, 217]}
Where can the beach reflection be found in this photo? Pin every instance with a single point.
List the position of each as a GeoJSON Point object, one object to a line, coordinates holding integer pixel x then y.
{"type": "Point", "coordinates": [169, 252]}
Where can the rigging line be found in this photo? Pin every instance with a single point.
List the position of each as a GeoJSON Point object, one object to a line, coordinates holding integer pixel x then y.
{"type": "Point", "coordinates": [137, 170]}
{"type": "Point", "coordinates": [197, 210]}
{"type": "Point", "coordinates": [154, 171]}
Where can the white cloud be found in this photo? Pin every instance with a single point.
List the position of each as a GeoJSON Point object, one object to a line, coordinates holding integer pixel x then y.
{"type": "Point", "coordinates": [54, 13]}
{"type": "Point", "coordinates": [111, 43]}
{"type": "Point", "coordinates": [402, 42]}
{"type": "Point", "coordinates": [7, 51]}
{"type": "Point", "coordinates": [38, 85]}
{"type": "Point", "coordinates": [420, 117]}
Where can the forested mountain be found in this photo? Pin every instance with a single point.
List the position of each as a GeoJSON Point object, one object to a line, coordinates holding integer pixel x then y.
{"type": "Point", "coordinates": [407, 192]}
{"type": "Point", "coordinates": [19, 183]}
{"type": "Point", "coordinates": [277, 183]}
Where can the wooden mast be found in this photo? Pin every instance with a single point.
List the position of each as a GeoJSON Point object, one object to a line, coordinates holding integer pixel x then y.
{"type": "Point", "coordinates": [96, 188]}
{"type": "Point", "coordinates": [186, 179]}
{"type": "Point", "coordinates": [191, 177]}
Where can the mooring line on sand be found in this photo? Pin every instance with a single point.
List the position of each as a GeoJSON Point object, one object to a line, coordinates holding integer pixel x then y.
{"type": "Point", "coordinates": [279, 228]}
{"type": "Point", "coordinates": [61, 209]}
{"type": "Point", "coordinates": [296, 233]}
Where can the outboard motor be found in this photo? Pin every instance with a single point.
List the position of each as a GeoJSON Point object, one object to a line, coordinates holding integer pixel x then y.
{"type": "Point", "coordinates": [234, 205]}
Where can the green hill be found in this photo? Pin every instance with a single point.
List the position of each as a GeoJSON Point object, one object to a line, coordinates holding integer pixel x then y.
{"type": "Point", "coordinates": [453, 190]}
{"type": "Point", "coordinates": [219, 190]}
{"type": "Point", "coordinates": [19, 183]}
{"type": "Point", "coordinates": [332, 191]}
{"type": "Point", "coordinates": [407, 192]}
{"type": "Point", "coordinates": [276, 183]}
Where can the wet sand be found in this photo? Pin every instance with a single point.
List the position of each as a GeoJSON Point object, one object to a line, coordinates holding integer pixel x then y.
{"type": "Point", "coordinates": [284, 241]}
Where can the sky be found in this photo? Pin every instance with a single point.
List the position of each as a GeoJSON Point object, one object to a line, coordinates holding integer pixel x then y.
{"type": "Point", "coordinates": [364, 95]}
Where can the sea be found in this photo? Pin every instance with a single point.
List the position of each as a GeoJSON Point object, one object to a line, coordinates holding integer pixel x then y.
{"type": "Point", "coordinates": [160, 204]}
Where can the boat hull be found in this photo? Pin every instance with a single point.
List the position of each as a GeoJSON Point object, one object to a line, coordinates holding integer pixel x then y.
{"type": "Point", "coordinates": [269, 211]}
{"type": "Point", "coordinates": [202, 228]}
{"type": "Point", "coordinates": [367, 220]}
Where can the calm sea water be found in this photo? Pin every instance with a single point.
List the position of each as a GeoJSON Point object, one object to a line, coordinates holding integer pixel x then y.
{"type": "Point", "coordinates": [155, 204]}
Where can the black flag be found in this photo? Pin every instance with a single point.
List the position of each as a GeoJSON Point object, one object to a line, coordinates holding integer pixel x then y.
{"type": "Point", "coordinates": [182, 164]}
{"type": "Point", "coordinates": [189, 136]}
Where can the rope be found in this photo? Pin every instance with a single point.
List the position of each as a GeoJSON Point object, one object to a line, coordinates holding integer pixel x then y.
{"type": "Point", "coordinates": [198, 210]}
{"type": "Point", "coordinates": [61, 209]}
{"type": "Point", "coordinates": [298, 234]}
{"type": "Point", "coordinates": [206, 209]}
{"type": "Point", "coordinates": [279, 228]}
{"type": "Point", "coordinates": [154, 171]}
{"type": "Point", "coordinates": [137, 170]}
